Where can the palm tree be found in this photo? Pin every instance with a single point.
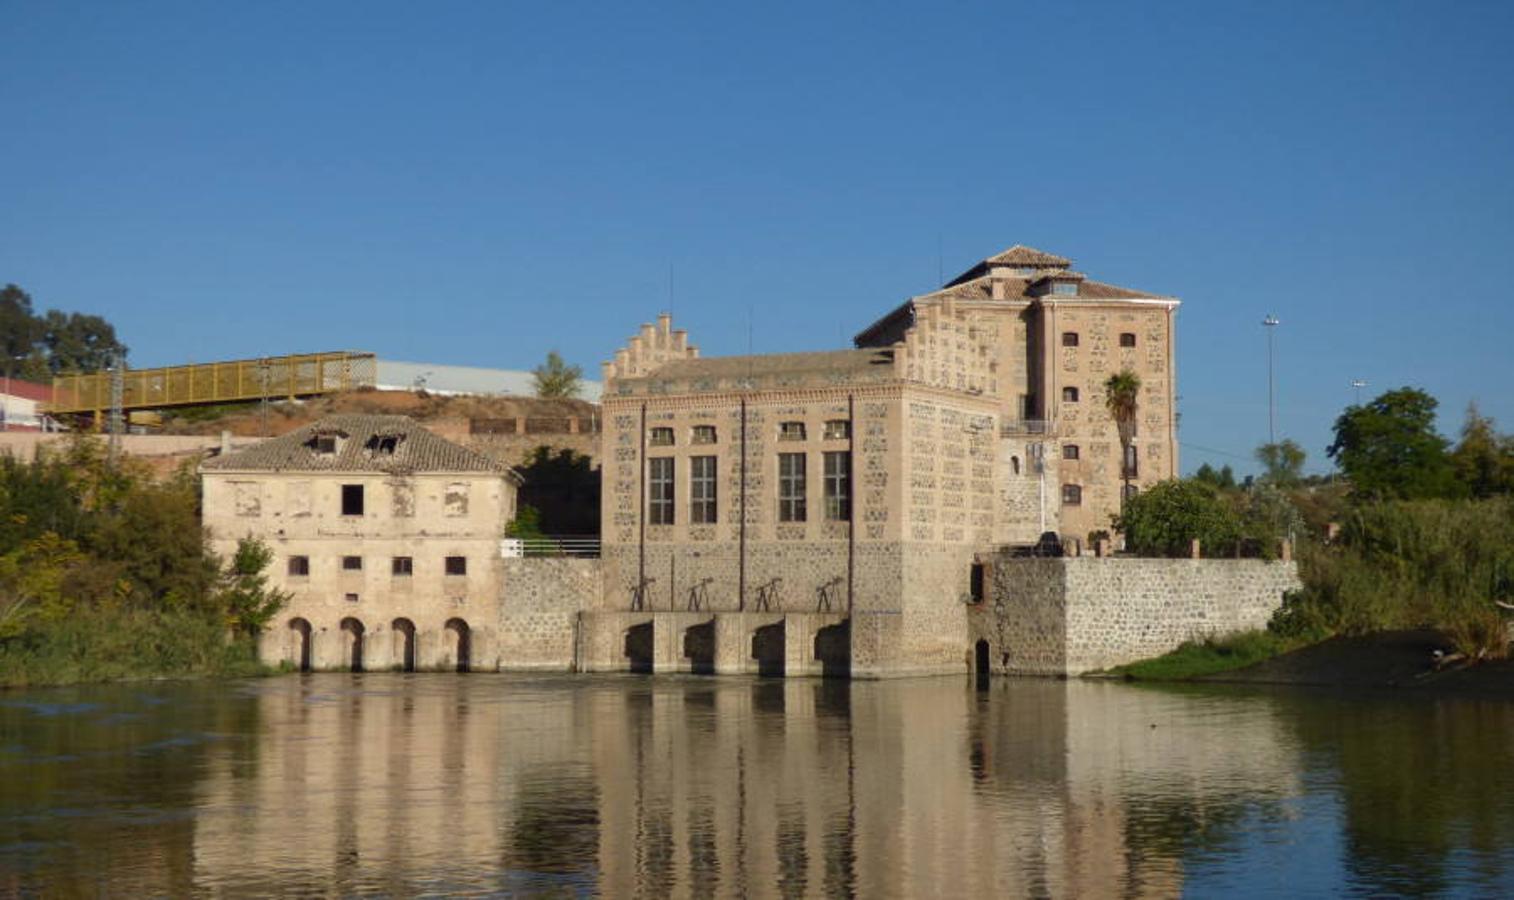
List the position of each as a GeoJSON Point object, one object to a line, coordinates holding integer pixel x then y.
{"type": "Point", "coordinates": [1121, 393]}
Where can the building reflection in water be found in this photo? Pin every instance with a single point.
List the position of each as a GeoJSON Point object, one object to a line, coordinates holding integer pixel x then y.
{"type": "Point", "coordinates": [663, 786]}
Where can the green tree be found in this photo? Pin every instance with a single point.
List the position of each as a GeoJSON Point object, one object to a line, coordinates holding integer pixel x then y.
{"type": "Point", "coordinates": [1122, 392]}
{"type": "Point", "coordinates": [1282, 462]}
{"type": "Point", "coordinates": [249, 603]}
{"type": "Point", "coordinates": [556, 379]}
{"type": "Point", "coordinates": [1389, 448]}
{"type": "Point", "coordinates": [20, 329]}
{"type": "Point", "coordinates": [1484, 459]}
{"type": "Point", "coordinates": [78, 342]}
{"type": "Point", "coordinates": [1222, 478]}
{"type": "Point", "coordinates": [1162, 520]}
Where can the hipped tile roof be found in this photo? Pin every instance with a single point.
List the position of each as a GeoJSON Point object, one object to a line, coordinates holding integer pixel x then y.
{"type": "Point", "coordinates": [416, 451]}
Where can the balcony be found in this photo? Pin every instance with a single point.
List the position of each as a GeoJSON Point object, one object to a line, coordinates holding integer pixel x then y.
{"type": "Point", "coordinates": [1009, 428]}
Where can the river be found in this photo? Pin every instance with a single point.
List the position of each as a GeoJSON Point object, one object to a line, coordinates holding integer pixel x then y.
{"type": "Point", "coordinates": [637, 786]}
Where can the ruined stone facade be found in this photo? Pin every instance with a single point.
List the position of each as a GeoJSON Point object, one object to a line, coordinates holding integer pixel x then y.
{"type": "Point", "coordinates": [385, 536]}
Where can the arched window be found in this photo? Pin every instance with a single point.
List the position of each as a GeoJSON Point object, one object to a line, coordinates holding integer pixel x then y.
{"type": "Point", "coordinates": [1014, 464]}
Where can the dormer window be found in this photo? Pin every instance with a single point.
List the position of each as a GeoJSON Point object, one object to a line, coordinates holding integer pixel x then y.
{"type": "Point", "coordinates": [324, 444]}
{"type": "Point", "coordinates": [384, 444]}
{"type": "Point", "coordinates": [1065, 288]}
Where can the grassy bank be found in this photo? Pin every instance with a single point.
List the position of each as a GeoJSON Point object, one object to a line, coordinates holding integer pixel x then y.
{"type": "Point", "coordinates": [125, 645]}
{"type": "Point", "coordinates": [1212, 656]}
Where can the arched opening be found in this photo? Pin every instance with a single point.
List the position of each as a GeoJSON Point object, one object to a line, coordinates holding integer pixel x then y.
{"type": "Point", "coordinates": [639, 647]}
{"type": "Point", "coordinates": [980, 662]}
{"type": "Point", "coordinates": [460, 642]}
{"type": "Point", "coordinates": [352, 635]}
{"type": "Point", "coordinates": [699, 648]}
{"type": "Point", "coordinates": [404, 644]}
{"type": "Point", "coordinates": [769, 648]}
{"type": "Point", "coordinates": [299, 644]}
{"type": "Point", "coordinates": [833, 648]}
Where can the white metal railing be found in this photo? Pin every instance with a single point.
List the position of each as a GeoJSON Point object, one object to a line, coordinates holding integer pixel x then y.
{"type": "Point", "coordinates": [550, 545]}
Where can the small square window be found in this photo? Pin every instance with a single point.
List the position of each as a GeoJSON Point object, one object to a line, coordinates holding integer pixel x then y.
{"type": "Point", "coordinates": [352, 564]}
{"type": "Point", "coordinates": [661, 437]}
{"type": "Point", "coordinates": [402, 565]}
{"type": "Point", "coordinates": [457, 565]}
{"type": "Point", "coordinates": [351, 598]}
{"type": "Point", "coordinates": [324, 444]}
{"type": "Point", "coordinates": [838, 430]}
{"type": "Point", "coordinates": [299, 566]}
{"type": "Point", "coordinates": [703, 434]}
{"type": "Point", "coordinates": [791, 431]}
{"type": "Point", "coordinates": [1127, 339]}
{"type": "Point", "coordinates": [1069, 451]}
{"type": "Point", "coordinates": [1069, 339]}
{"type": "Point", "coordinates": [1069, 395]}
{"type": "Point", "coordinates": [1072, 495]}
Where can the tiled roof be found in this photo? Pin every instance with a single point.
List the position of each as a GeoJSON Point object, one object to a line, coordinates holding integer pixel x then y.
{"type": "Point", "coordinates": [361, 448]}
{"type": "Point", "coordinates": [1021, 255]}
{"type": "Point", "coordinates": [774, 364]}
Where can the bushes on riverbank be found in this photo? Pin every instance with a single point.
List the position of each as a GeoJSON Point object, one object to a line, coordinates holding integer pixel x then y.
{"type": "Point", "coordinates": [105, 574]}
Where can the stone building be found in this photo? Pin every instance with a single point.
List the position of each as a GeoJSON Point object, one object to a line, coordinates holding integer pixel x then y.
{"type": "Point", "coordinates": [812, 511]}
{"type": "Point", "coordinates": [1057, 335]}
{"type": "Point", "coordinates": [386, 536]}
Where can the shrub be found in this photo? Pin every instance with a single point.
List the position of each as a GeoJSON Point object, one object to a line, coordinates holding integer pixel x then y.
{"type": "Point", "coordinates": [1164, 519]}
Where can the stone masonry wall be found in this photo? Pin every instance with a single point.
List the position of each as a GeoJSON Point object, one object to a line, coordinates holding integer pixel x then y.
{"type": "Point", "coordinates": [1075, 615]}
{"type": "Point", "coordinates": [538, 611]}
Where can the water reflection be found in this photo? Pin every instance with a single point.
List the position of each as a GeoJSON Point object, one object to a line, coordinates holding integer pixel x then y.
{"type": "Point", "coordinates": [628, 786]}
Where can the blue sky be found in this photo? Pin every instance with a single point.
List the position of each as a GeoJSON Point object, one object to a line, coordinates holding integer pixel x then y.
{"type": "Point", "coordinates": [479, 183]}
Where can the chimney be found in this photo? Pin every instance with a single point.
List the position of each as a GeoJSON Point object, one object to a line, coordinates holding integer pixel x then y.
{"type": "Point", "coordinates": [225, 442]}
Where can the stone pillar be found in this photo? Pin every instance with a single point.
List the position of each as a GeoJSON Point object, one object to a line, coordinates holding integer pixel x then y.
{"type": "Point", "coordinates": [667, 644]}
{"type": "Point", "coordinates": [798, 643]}
{"type": "Point", "coordinates": [1194, 549]}
{"type": "Point", "coordinates": [731, 644]}
{"type": "Point", "coordinates": [1285, 551]}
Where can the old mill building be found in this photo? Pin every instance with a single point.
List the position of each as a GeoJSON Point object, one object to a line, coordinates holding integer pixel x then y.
{"type": "Point", "coordinates": [828, 512]}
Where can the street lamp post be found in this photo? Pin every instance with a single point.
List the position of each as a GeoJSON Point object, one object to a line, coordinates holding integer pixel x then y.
{"type": "Point", "coordinates": [1271, 323]}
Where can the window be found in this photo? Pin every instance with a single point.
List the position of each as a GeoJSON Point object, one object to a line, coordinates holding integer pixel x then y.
{"type": "Point", "coordinates": [402, 565]}
{"type": "Point", "coordinates": [703, 434]}
{"type": "Point", "coordinates": [1069, 339]}
{"type": "Point", "coordinates": [384, 444]}
{"type": "Point", "coordinates": [1132, 463]}
{"type": "Point", "coordinates": [838, 486]}
{"type": "Point", "coordinates": [457, 565]}
{"type": "Point", "coordinates": [1130, 491]}
{"type": "Point", "coordinates": [791, 487]}
{"type": "Point", "coordinates": [352, 564]}
{"type": "Point", "coordinates": [838, 430]}
{"type": "Point", "coordinates": [1072, 495]}
{"type": "Point", "coordinates": [1065, 288]}
{"type": "Point", "coordinates": [1014, 464]}
{"type": "Point", "coordinates": [323, 444]}
{"type": "Point", "coordinates": [351, 598]}
{"type": "Point", "coordinates": [791, 431]}
{"type": "Point", "coordinates": [1069, 395]}
{"type": "Point", "coordinates": [1069, 451]}
{"type": "Point", "coordinates": [661, 486]}
{"type": "Point", "coordinates": [1127, 339]}
{"type": "Point", "coordinates": [352, 499]}
{"type": "Point", "coordinates": [702, 490]}
{"type": "Point", "coordinates": [661, 437]}
{"type": "Point", "coordinates": [975, 583]}
{"type": "Point", "coordinates": [299, 566]}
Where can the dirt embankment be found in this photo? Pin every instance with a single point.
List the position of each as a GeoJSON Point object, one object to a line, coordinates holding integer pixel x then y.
{"type": "Point", "coordinates": [283, 417]}
{"type": "Point", "coordinates": [1394, 659]}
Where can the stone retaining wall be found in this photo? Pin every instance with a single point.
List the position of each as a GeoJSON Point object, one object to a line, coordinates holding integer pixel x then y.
{"type": "Point", "coordinates": [1076, 615]}
{"type": "Point", "coordinates": [538, 611]}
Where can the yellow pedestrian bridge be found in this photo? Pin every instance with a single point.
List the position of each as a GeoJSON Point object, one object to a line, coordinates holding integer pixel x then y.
{"type": "Point", "coordinates": [208, 384]}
